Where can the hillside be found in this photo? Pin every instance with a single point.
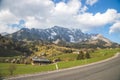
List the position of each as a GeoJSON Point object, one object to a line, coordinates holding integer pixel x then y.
{"type": "Point", "coordinates": [63, 37]}
{"type": "Point", "coordinates": [11, 47]}
{"type": "Point", "coordinates": [7, 47]}
{"type": "Point", "coordinates": [29, 41]}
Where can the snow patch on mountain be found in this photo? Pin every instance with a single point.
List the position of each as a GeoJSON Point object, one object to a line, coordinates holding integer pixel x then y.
{"type": "Point", "coordinates": [71, 38]}
{"type": "Point", "coordinates": [57, 34]}
{"type": "Point", "coordinates": [53, 33]}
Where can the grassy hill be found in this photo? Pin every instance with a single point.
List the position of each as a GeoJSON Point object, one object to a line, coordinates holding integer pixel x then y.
{"type": "Point", "coordinates": [11, 47]}
{"type": "Point", "coordinates": [53, 49]}
{"type": "Point", "coordinates": [28, 49]}
{"type": "Point", "coordinates": [25, 69]}
{"type": "Point", "coordinates": [7, 47]}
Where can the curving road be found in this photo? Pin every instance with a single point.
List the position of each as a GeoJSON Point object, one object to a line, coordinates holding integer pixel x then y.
{"type": "Point", "coordinates": [103, 70]}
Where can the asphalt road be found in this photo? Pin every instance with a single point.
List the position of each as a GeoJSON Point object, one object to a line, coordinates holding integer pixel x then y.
{"type": "Point", "coordinates": [105, 70]}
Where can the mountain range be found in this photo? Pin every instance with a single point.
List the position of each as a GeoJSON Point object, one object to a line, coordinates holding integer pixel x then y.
{"type": "Point", "coordinates": [25, 40]}
{"type": "Point", "coordinates": [51, 34]}
{"type": "Point", "coordinates": [57, 34]}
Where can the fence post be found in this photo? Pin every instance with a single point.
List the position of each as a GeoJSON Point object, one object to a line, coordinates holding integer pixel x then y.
{"type": "Point", "coordinates": [56, 66]}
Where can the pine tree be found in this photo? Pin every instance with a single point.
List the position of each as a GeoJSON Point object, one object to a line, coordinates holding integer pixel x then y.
{"type": "Point", "coordinates": [80, 55]}
{"type": "Point", "coordinates": [87, 55]}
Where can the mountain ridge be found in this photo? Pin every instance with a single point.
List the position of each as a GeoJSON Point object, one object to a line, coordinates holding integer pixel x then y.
{"type": "Point", "coordinates": [54, 33]}
{"type": "Point", "coordinates": [59, 34]}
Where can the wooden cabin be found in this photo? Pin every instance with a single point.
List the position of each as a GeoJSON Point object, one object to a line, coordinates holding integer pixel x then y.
{"type": "Point", "coordinates": [40, 61]}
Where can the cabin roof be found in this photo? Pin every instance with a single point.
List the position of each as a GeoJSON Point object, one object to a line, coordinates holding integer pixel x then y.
{"type": "Point", "coordinates": [40, 59]}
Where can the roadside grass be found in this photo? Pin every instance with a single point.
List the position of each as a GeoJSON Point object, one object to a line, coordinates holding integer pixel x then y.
{"type": "Point", "coordinates": [28, 69]}
{"type": "Point", "coordinates": [96, 56]}
{"type": "Point", "coordinates": [24, 69]}
{"type": "Point", "coordinates": [65, 57]}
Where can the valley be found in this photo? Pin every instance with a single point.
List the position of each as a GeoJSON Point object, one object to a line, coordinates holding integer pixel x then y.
{"type": "Point", "coordinates": [54, 44]}
{"type": "Point", "coordinates": [59, 39]}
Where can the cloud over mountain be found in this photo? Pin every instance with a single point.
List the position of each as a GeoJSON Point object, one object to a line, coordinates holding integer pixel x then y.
{"type": "Point", "coordinates": [115, 28]}
{"type": "Point", "coordinates": [46, 13]}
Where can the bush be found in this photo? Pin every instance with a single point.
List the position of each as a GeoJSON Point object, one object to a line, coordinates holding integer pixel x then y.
{"type": "Point", "coordinates": [87, 55]}
{"type": "Point", "coordinates": [11, 68]}
{"type": "Point", "coordinates": [80, 55]}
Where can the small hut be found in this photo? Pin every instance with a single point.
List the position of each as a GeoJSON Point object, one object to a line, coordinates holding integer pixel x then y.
{"type": "Point", "coordinates": [40, 61]}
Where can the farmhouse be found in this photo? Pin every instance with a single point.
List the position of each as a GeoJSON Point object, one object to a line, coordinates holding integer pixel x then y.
{"type": "Point", "coordinates": [40, 61]}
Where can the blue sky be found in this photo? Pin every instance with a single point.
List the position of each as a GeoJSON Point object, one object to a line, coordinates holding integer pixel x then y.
{"type": "Point", "coordinates": [102, 6]}
{"type": "Point", "coordinates": [91, 16]}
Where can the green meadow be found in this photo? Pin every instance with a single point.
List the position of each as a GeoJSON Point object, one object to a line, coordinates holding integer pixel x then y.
{"type": "Point", "coordinates": [30, 69]}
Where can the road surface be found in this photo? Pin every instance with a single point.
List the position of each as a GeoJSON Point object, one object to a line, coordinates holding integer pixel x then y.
{"type": "Point", "coordinates": [104, 70]}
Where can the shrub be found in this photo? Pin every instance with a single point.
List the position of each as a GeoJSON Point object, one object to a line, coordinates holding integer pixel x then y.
{"type": "Point", "coordinates": [11, 68]}
{"type": "Point", "coordinates": [80, 55]}
{"type": "Point", "coordinates": [87, 55]}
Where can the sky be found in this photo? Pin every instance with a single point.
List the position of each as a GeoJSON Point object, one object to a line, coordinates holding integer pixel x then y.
{"type": "Point", "coordinates": [91, 16]}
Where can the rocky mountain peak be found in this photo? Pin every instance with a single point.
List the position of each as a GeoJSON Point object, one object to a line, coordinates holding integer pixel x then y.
{"type": "Point", "coordinates": [57, 34]}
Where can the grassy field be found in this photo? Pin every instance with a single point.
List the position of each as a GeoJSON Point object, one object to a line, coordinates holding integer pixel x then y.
{"type": "Point", "coordinates": [96, 56]}
{"type": "Point", "coordinates": [24, 69]}
{"type": "Point", "coordinates": [65, 57]}
{"type": "Point", "coordinates": [27, 69]}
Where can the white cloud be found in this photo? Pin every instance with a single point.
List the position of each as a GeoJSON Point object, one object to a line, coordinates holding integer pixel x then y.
{"type": "Point", "coordinates": [115, 28]}
{"type": "Point", "coordinates": [64, 13]}
{"type": "Point", "coordinates": [45, 13]}
{"type": "Point", "coordinates": [4, 28]}
{"type": "Point", "coordinates": [83, 9]}
{"type": "Point", "coordinates": [91, 2]}
{"type": "Point", "coordinates": [85, 21]}
{"type": "Point", "coordinates": [32, 22]}
{"type": "Point", "coordinates": [23, 8]}
{"type": "Point", "coordinates": [72, 7]}
{"type": "Point", "coordinates": [99, 19]}
{"type": "Point", "coordinates": [34, 12]}
{"type": "Point", "coordinates": [7, 17]}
